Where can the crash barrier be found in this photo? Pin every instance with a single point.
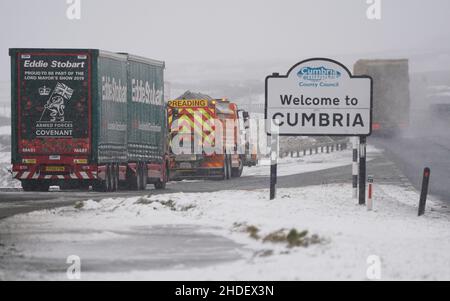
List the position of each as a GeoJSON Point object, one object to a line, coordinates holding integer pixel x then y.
{"type": "Point", "coordinates": [315, 148]}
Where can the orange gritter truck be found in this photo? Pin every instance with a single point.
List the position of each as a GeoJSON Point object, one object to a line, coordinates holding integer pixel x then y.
{"type": "Point", "coordinates": [204, 138]}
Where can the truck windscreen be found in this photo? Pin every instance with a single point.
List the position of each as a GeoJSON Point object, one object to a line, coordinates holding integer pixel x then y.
{"type": "Point", "coordinates": [54, 103]}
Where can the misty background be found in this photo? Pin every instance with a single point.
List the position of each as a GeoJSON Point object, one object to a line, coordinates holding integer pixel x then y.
{"type": "Point", "coordinates": [226, 48]}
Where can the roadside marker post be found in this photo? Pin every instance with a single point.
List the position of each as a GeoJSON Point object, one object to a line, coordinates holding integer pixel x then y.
{"type": "Point", "coordinates": [362, 170]}
{"type": "Point", "coordinates": [355, 167]}
{"type": "Point", "coordinates": [424, 192]}
{"type": "Point", "coordinates": [370, 193]}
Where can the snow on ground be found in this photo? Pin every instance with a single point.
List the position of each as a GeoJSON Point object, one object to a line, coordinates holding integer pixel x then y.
{"type": "Point", "coordinates": [409, 247]}
{"type": "Point", "coordinates": [5, 130]}
{"type": "Point", "coordinates": [291, 166]}
{"type": "Point", "coordinates": [6, 180]}
{"type": "Point", "coordinates": [5, 157]}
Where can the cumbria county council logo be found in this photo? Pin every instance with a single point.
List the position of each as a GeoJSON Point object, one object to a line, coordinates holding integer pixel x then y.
{"type": "Point", "coordinates": [317, 74]}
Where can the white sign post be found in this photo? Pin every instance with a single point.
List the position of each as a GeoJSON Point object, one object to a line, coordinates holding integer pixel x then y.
{"type": "Point", "coordinates": [320, 97]}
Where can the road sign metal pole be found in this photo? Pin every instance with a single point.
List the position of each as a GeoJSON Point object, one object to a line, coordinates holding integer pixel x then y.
{"type": "Point", "coordinates": [362, 170]}
{"type": "Point", "coordinates": [274, 150]}
{"type": "Point", "coordinates": [424, 193]}
{"type": "Point", "coordinates": [273, 163]}
{"type": "Point", "coordinates": [355, 167]}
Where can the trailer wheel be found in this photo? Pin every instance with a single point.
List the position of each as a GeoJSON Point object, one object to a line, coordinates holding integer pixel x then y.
{"type": "Point", "coordinates": [144, 177]}
{"type": "Point", "coordinates": [27, 185]}
{"type": "Point", "coordinates": [99, 186]}
{"type": "Point", "coordinates": [162, 184]}
{"type": "Point", "coordinates": [118, 176]}
{"type": "Point", "coordinates": [114, 177]}
{"type": "Point", "coordinates": [43, 186]}
{"type": "Point", "coordinates": [134, 180]}
{"type": "Point", "coordinates": [225, 168]}
{"type": "Point", "coordinates": [229, 167]}
{"type": "Point", "coordinates": [102, 185]}
{"type": "Point", "coordinates": [84, 186]}
{"type": "Point", "coordinates": [108, 180]}
{"type": "Point", "coordinates": [69, 185]}
{"type": "Point", "coordinates": [237, 172]}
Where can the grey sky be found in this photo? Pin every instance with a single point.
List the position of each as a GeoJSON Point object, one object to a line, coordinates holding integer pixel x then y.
{"type": "Point", "coordinates": [180, 31]}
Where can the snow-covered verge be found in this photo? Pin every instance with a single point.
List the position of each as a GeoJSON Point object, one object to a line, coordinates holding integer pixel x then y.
{"type": "Point", "coordinates": [345, 234]}
{"type": "Point", "coordinates": [291, 166]}
{"type": "Point", "coordinates": [6, 180]}
{"type": "Point", "coordinates": [5, 130]}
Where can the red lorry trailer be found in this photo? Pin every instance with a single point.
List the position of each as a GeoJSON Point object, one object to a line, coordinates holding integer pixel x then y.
{"type": "Point", "coordinates": [87, 117]}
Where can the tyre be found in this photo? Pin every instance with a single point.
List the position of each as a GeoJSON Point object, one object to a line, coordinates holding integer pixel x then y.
{"type": "Point", "coordinates": [96, 186]}
{"type": "Point", "coordinates": [117, 177]}
{"type": "Point", "coordinates": [84, 186]}
{"type": "Point", "coordinates": [43, 186]}
{"type": "Point", "coordinates": [99, 186]}
{"type": "Point", "coordinates": [69, 185]}
{"type": "Point", "coordinates": [109, 180]}
{"type": "Point", "coordinates": [102, 185]}
{"type": "Point", "coordinates": [225, 167]}
{"type": "Point", "coordinates": [162, 184]}
{"type": "Point", "coordinates": [229, 167]}
{"type": "Point", "coordinates": [144, 175]}
{"type": "Point", "coordinates": [114, 177]}
{"type": "Point", "coordinates": [28, 185]}
{"type": "Point", "coordinates": [134, 179]}
{"type": "Point", "coordinates": [237, 172]}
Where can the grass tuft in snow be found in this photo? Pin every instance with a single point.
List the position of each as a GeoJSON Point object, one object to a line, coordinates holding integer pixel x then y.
{"type": "Point", "coordinates": [276, 237]}
{"type": "Point", "coordinates": [293, 238]}
{"type": "Point", "coordinates": [250, 229]}
{"type": "Point", "coordinates": [144, 201]}
{"type": "Point", "coordinates": [171, 204]}
{"type": "Point", "coordinates": [166, 203]}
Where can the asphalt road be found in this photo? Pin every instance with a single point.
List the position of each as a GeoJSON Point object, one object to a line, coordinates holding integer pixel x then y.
{"type": "Point", "coordinates": [420, 147]}
{"type": "Point", "coordinates": [16, 201]}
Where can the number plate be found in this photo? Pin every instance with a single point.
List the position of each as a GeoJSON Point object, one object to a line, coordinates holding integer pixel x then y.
{"type": "Point", "coordinates": [55, 168]}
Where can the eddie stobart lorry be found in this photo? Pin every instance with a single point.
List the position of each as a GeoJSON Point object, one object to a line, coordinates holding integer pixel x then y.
{"type": "Point", "coordinates": [87, 117]}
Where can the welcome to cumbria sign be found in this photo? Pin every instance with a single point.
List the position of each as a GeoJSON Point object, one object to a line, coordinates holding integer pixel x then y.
{"type": "Point", "coordinates": [319, 96]}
